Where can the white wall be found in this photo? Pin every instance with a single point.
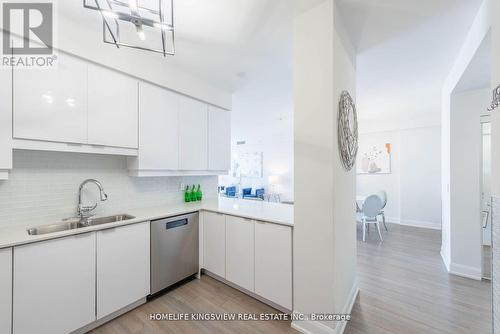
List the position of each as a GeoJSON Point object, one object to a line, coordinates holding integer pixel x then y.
{"type": "Point", "coordinates": [413, 187]}
{"type": "Point", "coordinates": [465, 181]}
{"type": "Point", "coordinates": [371, 184]}
{"type": "Point", "coordinates": [472, 43]}
{"type": "Point", "coordinates": [495, 167]}
{"type": "Point", "coordinates": [82, 36]}
{"type": "Point", "coordinates": [262, 117]}
{"type": "Point", "coordinates": [495, 81]}
{"type": "Point", "coordinates": [43, 187]}
{"type": "Point", "coordinates": [277, 161]}
{"type": "Point", "coordinates": [325, 229]}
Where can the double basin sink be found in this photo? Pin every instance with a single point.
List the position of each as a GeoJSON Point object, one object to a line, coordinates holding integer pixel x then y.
{"type": "Point", "coordinates": [76, 224]}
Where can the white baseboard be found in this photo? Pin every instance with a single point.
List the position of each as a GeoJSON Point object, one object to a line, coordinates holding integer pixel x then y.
{"type": "Point", "coordinates": [311, 327]}
{"type": "Point", "coordinates": [315, 327]}
{"type": "Point", "coordinates": [414, 223]}
{"type": "Point", "coordinates": [446, 260]}
{"type": "Point", "coordinates": [353, 294]}
{"type": "Point", "coordinates": [466, 271]}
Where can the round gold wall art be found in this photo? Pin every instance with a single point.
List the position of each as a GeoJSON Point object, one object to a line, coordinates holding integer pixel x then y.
{"type": "Point", "coordinates": [347, 131]}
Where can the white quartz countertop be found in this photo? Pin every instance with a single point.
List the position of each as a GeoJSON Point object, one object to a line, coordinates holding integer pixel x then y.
{"type": "Point", "coordinates": [263, 211]}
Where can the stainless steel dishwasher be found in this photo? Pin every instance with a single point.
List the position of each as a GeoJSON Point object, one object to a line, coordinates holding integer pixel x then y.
{"type": "Point", "coordinates": [174, 250]}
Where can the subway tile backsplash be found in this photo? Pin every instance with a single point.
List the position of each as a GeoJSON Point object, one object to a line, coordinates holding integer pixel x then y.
{"type": "Point", "coordinates": [43, 187]}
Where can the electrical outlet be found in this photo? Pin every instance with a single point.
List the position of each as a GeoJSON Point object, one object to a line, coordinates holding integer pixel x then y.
{"type": "Point", "coordinates": [183, 186]}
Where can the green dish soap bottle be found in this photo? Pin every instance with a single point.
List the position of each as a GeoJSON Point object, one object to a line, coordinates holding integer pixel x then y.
{"type": "Point", "coordinates": [199, 194]}
{"type": "Point", "coordinates": [193, 194]}
{"type": "Point", "coordinates": [187, 195]}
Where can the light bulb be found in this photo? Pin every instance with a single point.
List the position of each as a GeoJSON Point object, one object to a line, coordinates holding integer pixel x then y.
{"type": "Point", "coordinates": [140, 33]}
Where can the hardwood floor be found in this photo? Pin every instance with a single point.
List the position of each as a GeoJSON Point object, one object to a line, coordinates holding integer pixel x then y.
{"type": "Point", "coordinates": [487, 262]}
{"type": "Point", "coordinates": [197, 296]}
{"type": "Point", "coordinates": [404, 288]}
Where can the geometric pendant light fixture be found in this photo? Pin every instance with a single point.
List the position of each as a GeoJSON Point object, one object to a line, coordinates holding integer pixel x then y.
{"type": "Point", "coordinates": [140, 24]}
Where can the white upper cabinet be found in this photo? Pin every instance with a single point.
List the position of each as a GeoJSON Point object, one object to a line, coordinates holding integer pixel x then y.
{"type": "Point", "coordinates": [158, 130]}
{"type": "Point", "coordinates": [54, 285]}
{"type": "Point", "coordinates": [86, 108]}
{"type": "Point", "coordinates": [122, 267]}
{"type": "Point", "coordinates": [112, 108]}
{"type": "Point", "coordinates": [5, 123]}
{"type": "Point", "coordinates": [51, 104]}
{"type": "Point", "coordinates": [5, 290]}
{"type": "Point", "coordinates": [219, 139]}
{"type": "Point", "coordinates": [193, 135]}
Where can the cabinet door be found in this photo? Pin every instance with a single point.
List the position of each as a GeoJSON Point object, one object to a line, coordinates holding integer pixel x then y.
{"type": "Point", "coordinates": [113, 110]}
{"type": "Point", "coordinates": [122, 267]}
{"type": "Point", "coordinates": [219, 139]}
{"type": "Point", "coordinates": [193, 129]}
{"type": "Point", "coordinates": [5, 120]}
{"type": "Point", "coordinates": [273, 263]}
{"type": "Point", "coordinates": [54, 285]}
{"type": "Point", "coordinates": [214, 243]}
{"type": "Point", "coordinates": [5, 290]}
{"type": "Point", "coordinates": [159, 129]}
{"type": "Point", "coordinates": [240, 252]}
{"type": "Point", "coordinates": [51, 104]}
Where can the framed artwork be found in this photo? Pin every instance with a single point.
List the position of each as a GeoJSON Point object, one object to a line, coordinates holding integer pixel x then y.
{"type": "Point", "coordinates": [248, 164]}
{"type": "Point", "coordinates": [374, 159]}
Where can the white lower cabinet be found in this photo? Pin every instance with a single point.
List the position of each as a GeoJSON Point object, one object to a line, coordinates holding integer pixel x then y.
{"type": "Point", "coordinates": [122, 267]}
{"type": "Point", "coordinates": [240, 252]}
{"type": "Point", "coordinates": [5, 290]}
{"type": "Point", "coordinates": [273, 263]}
{"type": "Point", "coordinates": [54, 285]}
{"type": "Point", "coordinates": [214, 245]}
{"type": "Point", "coordinates": [254, 255]}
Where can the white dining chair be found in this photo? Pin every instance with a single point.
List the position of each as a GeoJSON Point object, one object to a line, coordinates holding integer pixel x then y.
{"type": "Point", "coordinates": [371, 211]}
{"type": "Point", "coordinates": [383, 196]}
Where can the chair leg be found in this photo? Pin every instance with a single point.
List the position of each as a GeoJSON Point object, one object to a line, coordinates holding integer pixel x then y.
{"type": "Point", "coordinates": [383, 220]}
{"type": "Point", "coordinates": [378, 229]}
{"type": "Point", "coordinates": [364, 230]}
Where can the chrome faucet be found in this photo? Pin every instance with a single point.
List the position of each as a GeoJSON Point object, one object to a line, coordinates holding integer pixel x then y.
{"type": "Point", "coordinates": [84, 211]}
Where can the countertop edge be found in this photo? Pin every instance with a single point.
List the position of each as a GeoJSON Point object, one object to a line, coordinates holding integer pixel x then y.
{"type": "Point", "coordinates": [138, 220]}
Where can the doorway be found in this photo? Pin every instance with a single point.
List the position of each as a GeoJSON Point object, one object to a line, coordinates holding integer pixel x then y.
{"type": "Point", "coordinates": [486, 197]}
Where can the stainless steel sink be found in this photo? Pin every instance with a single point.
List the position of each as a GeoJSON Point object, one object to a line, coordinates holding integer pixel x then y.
{"type": "Point", "coordinates": [72, 225]}
{"type": "Point", "coordinates": [55, 228]}
{"type": "Point", "coordinates": [107, 220]}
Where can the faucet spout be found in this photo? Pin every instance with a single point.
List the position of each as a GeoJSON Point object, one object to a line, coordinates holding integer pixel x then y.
{"type": "Point", "coordinates": [83, 211]}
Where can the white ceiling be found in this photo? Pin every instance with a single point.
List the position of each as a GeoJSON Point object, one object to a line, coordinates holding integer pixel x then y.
{"type": "Point", "coordinates": [221, 41]}
{"type": "Point", "coordinates": [405, 51]}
